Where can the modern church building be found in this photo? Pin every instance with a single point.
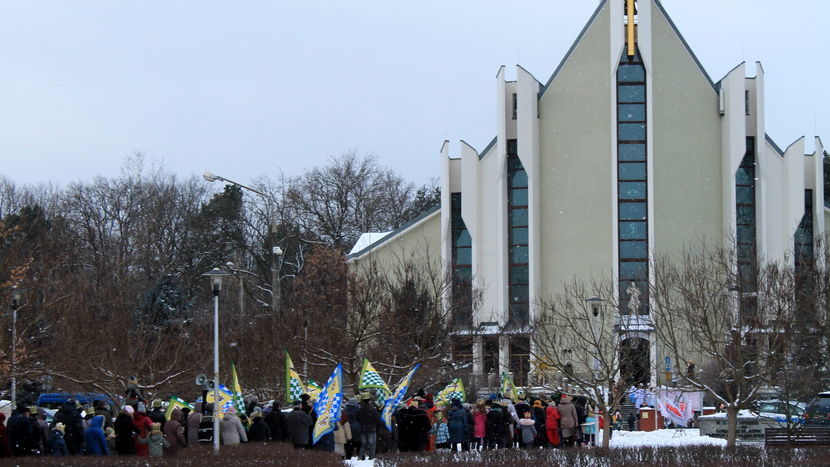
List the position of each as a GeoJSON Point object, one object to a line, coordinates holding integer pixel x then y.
{"type": "Point", "coordinates": [629, 150]}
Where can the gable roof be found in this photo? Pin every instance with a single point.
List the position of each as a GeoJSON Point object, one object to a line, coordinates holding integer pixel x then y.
{"type": "Point", "coordinates": [391, 235]}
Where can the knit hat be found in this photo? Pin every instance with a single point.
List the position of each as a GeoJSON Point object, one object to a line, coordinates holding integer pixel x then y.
{"type": "Point", "coordinates": [231, 411]}
{"type": "Point", "coordinates": [156, 403]}
{"type": "Point", "coordinates": [128, 409]}
{"type": "Point", "coordinates": [110, 431]}
{"type": "Point", "coordinates": [141, 408]}
{"type": "Point", "coordinates": [537, 403]}
{"type": "Point", "coordinates": [365, 396]}
{"type": "Point", "coordinates": [156, 427]}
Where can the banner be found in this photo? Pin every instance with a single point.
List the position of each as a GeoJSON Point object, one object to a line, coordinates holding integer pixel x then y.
{"type": "Point", "coordinates": [394, 400]}
{"type": "Point", "coordinates": [329, 404]}
{"type": "Point", "coordinates": [225, 399]}
{"type": "Point", "coordinates": [293, 384]}
{"type": "Point", "coordinates": [454, 390]}
{"type": "Point", "coordinates": [679, 406]}
{"type": "Point", "coordinates": [313, 389]}
{"type": "Point", "coordinates": [174, 403]}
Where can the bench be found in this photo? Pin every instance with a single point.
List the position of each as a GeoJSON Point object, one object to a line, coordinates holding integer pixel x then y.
{"type": "Point", "coordinates": [803, 436]}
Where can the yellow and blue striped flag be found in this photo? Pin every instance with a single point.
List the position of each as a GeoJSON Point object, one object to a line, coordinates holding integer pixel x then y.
{"type": "Point", "coordinates": [328, 405]}
{"type": "Point", "coordinates": [454, 390]}
{"type": "Point", "coordinates": [395, 399]}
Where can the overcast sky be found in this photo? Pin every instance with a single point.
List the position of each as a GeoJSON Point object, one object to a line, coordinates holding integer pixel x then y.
{"type": "Point", "coordinates": [250, 88]}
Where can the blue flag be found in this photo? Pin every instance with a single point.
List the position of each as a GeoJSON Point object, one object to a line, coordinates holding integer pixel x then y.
{"type": "Point", "coordinates": [395, 399]}
{"type": "Point", "coordinates": [328, 405]}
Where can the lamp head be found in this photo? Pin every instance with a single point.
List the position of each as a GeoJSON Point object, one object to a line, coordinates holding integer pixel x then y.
{"type": "Point", "coordinates": [216, 275]}
{"type": "Point", "coordinates": [16, 294]}
{"type": "Point", "coordinates": [210, 176]}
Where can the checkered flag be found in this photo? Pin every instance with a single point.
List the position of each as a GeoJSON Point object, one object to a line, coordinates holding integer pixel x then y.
{"type": "Point", "coordinates": [293, 384]}
{"type": "Point", "coordinates": [370, 378]}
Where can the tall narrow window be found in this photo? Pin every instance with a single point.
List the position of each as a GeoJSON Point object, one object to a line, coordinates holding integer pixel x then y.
{"type": "Point", "coordinates": [632, 183]}
{"type": "Point", "coordinates": [517, 239]}
{"type": "Point", "coordinates": [520, 359]}
{"type": "Point", "coordinates": [804, 249]}
{"type": "Point", "coordinates": [745, 223]}
{"type": "Point", "coordinates": [462, 264]}
{"type": "Point", "coordinates": [515, 105]}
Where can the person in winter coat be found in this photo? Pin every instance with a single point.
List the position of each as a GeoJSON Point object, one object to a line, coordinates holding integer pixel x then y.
{"type": "Point", "coordinates": [259, 431]}
{"type": "Point", "coordinates": [458, 418]}
{"type": "Point", "coordinates": [495, 433]}
{"type": "Point", "coordinates": [39, 441]}
{"type": "Point", "coordinates": [19, 428]}
{"type": "Point", "coordinates": [154, 441]}
{"type": "Point", "coordinates": [552, 425]}
{"type": "Point", "coordinates": [174, 432]}
{"type": "Point", "coordinates": [96, 440]}
{"type": "Point", "coordinates": [231, 431]}
{"type": "Point", "coordinates": [414, 428]}
{"type": "Point", "coordinates": [527, 430]}
{"type": "Point", "coordinates": [350, 409]}
{"type": "Point", "coordinates": [192, 422]}
{"type": "Point", "coordinates": [157, 413]}
{"type": "Point", "coordinates": [297, 422]}
{"type": "Point", "coordinates": [368, 418]}
{"type": "Point", "coordinates": [57, 445]}
{"type": "Point", "coordinates": [539, 417]}
{"type": "Point", "coordinates": [125, 431]}
{"type": "Point", "coordinates": [275, 420]}
{"type": "Point", "coordinates": [568, 421]}
{"type": "Point", "coordinates": [479, 425]}
{"type": "Point", "coordinates": [100, 408]}
{"type": "Point", "coordinates": [143, 425]}
{"type": "Point", "coordinates": [342, 435]}
{"type": "Point", "coordinates": [5, 448]}
{"type": "Point", "coordinates": [73, 434]}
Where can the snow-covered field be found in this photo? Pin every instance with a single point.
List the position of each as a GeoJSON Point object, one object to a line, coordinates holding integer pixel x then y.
{"type": "Point", "coordinates": [633, 439]}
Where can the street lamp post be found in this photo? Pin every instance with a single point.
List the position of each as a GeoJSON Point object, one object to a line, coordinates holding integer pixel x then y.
{"type": "Point", "coordinates": [216, 276]}
{"type": "Point", "coordinates": [16, 294]}
{"type": "Point", "coordinates": [277, 251]}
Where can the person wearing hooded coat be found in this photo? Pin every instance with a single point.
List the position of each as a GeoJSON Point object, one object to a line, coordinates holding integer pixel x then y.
{"type": "Point", "coordinates": [494, 429]}
{"type": "Point", "coordinates": [193, 421]}
{"type": "Point", "coordinates": [552, 425]}
{"type": "Point", "coordinates": [124, 432]}
{"type": "Point", "coordinates": [414, 427]}
{"type": "Point", "coordinates": [96, 440]}
{"type": "Point", "coordinates": [368, 419]}
{"type": "Point", "coordinates": [568, 420]}
{"type": "Point", "coordinates": [298, 423]}
{"type": "Point", "coordinates": [275, 420]}
{"type": "Point", "coordinates": [258, 431]}
{"type": "Point", "coordinates": [143, 424]}
{"type": "Point", "coordinates": [174, 432]}
{"type": "Point", "coordinates": [19, 428]}
{"type": "Point", "coordinates": [231, 431]}
{"type": "Point", "coordinates": [73, 424]}
{"type": "Point", "coordinates": [458, 418]}
{"type": "Point", "coordinates": [538, 411]}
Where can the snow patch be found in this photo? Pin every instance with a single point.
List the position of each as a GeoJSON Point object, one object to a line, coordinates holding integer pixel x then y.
{"type": "Point", "coordinates": [681, 437]}
{"type": "Point", "coordinates": [367, 239]}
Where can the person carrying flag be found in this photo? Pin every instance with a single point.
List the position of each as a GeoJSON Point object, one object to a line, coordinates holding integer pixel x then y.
{"type": "Point", "coordinates": [369, 419]}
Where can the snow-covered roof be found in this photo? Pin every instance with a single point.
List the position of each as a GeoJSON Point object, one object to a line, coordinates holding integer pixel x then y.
{"type": "Point", "coordinates": [367, 239]}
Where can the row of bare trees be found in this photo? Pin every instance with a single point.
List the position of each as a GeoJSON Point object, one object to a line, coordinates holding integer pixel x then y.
{"type": "Point", "coordinates": [772, 339]}
{"type": "Point", "coordinates": [112, 275]}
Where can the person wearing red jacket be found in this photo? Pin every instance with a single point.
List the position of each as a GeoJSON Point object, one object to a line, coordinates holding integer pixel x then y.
{"type": "Point", "coordinates": [144, 425]}
{"type": "Point", "coordinates": [552, 424]}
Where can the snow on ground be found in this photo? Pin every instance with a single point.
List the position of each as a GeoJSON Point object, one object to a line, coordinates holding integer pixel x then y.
{"type": "Point", "coordinates": [357, 463]}
{"type": "Point", "coordinates": [684, 437]}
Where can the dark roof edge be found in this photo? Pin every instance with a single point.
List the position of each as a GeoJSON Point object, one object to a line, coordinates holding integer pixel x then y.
{"type": "Point", "coordinates": [773, 144]}
{"type": "Point", "coordinates": [686, 45]}
{"type": "Point", "coordinates": [794, 142]}
{"type": "Point", "coordinates": [396, 232]}
{"type": "Point", "coordinates": [573, 46]}
{"type": "Point", "coordinates": [487, 148]}
{"type": "Point", "coordinates": [730, 71]}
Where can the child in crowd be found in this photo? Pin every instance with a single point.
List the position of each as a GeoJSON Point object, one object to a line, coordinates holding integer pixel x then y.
{"type": "Point", "coordinates": [441, 432]}
{"type": "Point", "coordinates": [155, 441]}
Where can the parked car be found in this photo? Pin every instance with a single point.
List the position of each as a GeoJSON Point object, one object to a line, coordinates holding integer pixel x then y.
{"type": "Point", "coordinates": [818, 410]}
{"type": "Point", "coordinates": [777, 410]}
{"type": "Point", "coordinates": [55, 400]}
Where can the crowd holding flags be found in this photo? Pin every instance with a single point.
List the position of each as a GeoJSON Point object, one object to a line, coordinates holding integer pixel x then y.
{"type": "Point", "coordinates": [454, 390]}
{"type": "Point", "coordinates": [328, 405]}
{"type": "Point", "coordinates": [176, 402]}
{"type": "Point", "coordinates": [395, 399]}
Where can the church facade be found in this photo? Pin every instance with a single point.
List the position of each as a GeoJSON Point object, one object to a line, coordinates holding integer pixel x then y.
{"type": "Point", "coordinates": [627, 151]}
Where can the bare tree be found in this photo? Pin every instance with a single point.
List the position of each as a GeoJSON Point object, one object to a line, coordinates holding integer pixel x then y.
{"type": "Point", "coordinates": [579, 333]}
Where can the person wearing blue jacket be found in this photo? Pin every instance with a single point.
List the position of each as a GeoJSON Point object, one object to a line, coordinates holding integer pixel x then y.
{"type": "Point", "coordinates": [96, 440]}
{"type": "Point", "coordinates": [458, 418]}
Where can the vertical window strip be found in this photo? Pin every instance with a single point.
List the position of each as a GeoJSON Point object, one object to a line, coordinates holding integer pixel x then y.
{"type": "Point", "coordinates": [632, 181]}
{"type": "Point", "coordinates": [804, 248]}
{"type": "Point", "coordinates": [462, 289]}
{"type": "Point", "coordinates": [745, 227]}
{"type": "Point", "coordinates": [518, 247]}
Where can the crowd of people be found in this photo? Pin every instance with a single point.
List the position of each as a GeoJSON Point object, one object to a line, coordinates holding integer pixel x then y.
{"type": "Point", "coordinates": [419, 425]}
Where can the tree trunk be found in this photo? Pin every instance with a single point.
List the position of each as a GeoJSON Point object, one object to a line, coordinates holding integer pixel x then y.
{"type": "Point", "coordinates": [606, 430]}
{"type": "Point", "coordinates": [732, 426]}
